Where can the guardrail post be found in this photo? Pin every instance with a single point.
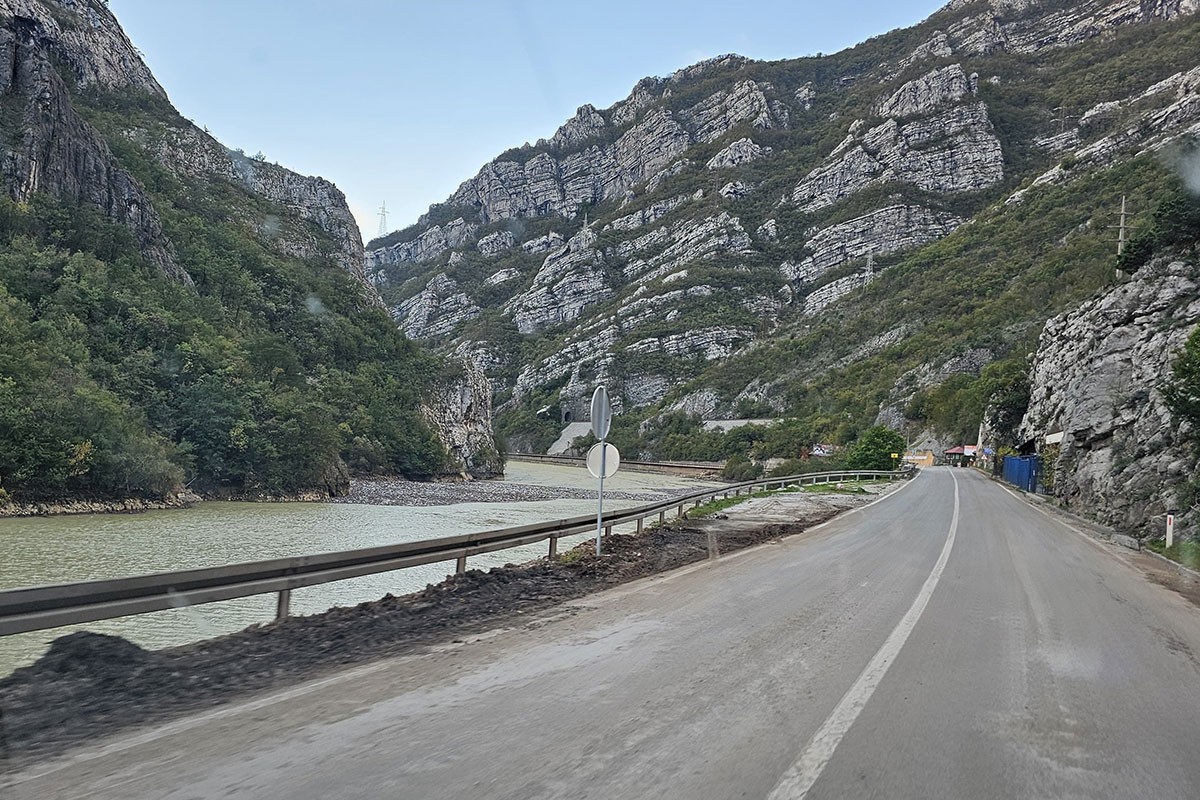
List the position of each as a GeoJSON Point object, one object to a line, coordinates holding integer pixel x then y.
{"type": "Point", "coordinates": [662, 518]}
{"type": "Point", "coordinates": [461, 565]}
{"type": "Point", "coordinates": [680, 510]}
{"type": "Point", "coordinates": [639, 524]}
{"type": "Point", "coordinates": [553, 547]}
{"type": "Point", "coordinates": [608, 530]}
{"type": "Point", "coordinates": [283, 605]}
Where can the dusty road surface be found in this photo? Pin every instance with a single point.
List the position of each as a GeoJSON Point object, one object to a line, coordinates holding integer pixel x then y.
{"type": "Point", "coordinates": [947, 641]}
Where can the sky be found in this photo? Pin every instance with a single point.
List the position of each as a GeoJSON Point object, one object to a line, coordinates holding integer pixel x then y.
{"type": "Point", "coordinates": [399, 102]}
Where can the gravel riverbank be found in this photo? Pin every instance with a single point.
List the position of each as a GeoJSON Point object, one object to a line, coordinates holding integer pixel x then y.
{"type": "Point", "coordinates": [390, 492]}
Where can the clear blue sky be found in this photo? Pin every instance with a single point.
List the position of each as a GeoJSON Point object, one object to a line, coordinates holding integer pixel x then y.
{"type": "Point", "coordinates": [401, 101]}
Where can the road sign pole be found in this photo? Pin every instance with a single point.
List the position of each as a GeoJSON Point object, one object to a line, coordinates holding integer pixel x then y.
{"type": "Point", "coordinates": [601, 420]}
{"type": "Point", "coordinates": [600, 494]}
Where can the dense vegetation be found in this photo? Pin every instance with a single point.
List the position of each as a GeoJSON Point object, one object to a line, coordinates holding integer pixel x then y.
{"type": "Point", "coordinates": [1182, 392]}
{"type": "Point", "coordinates": [272, 374]}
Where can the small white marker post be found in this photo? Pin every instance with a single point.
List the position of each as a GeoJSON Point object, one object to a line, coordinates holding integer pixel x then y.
{"type": "Point", "coordinates": [1170, 528]}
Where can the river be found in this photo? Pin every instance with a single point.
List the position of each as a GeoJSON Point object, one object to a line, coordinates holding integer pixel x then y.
{"type": "Point", "coordinates": [48, 550]}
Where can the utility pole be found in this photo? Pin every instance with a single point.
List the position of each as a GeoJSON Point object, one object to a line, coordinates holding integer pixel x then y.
{"type": "Point", "coordinates": [1121, 228]}
{"type": "Point", "coordinates": [1062, 119]}
{"type": "Point", "coordinates": [383, 219]}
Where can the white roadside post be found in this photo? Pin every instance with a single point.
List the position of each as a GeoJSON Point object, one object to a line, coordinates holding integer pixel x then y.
{"type": "Point", "coordinates": [1170, 528]}
{"type": "Point", "coordinates": [603, 458]}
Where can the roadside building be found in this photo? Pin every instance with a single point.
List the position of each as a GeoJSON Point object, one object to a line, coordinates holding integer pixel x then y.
{"type": "Point", "coordinates": [961, 456]}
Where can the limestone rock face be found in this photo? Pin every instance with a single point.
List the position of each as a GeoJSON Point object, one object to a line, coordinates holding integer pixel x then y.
{"type": "Point", "coordinates": [1002, 26]}
{"type": "Point", "coordinates": [1095, 377]}
{"type": "Point", "coordinates": [544, 184]}
{"type": "Point", "coordinates": [739, 152]}
{"type": "Point", "coordinates": [652, 213]}
{"type": "Point", "coordinates": [571, 279]}
{"type": "Point", "coordinates": [426, 247]}
{"type": "Point", "coordinates": [51, 149]}
{"type": "Point", "coordinates": [496, 243]}
{"type": "Point", "coordinates": [435, 311]}
{"type": "Point", "coordinates": [194, 153]}
{"type": "Point", "coordinates": [934, 90]}
{"type": "Point", "coordinates": [745, 102]}
{"type": "Point", "coordinates": [690, 241]}
{"type": "Point", "coordinates": [937, 46]}
{"type": "Point", "coordinates": [887, 230]}
{"type": "Point", "coordinates": [60, 154]}
{"type": "Point", "coordinates": [460, 412]}
{"type": "Point", "coordinates": [954, 151]}
{"type": "Point", "coordinates": [86, 35]}
{"type": "Point", "coordinates": [706, 343]}
{"type": "Point", "coordinates": [1163, 112]}
{"type": "Point", "coordinates": [833, 291]}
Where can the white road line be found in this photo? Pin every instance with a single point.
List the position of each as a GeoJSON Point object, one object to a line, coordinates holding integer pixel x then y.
{"type": "Point", "coordinates": [801, 776]}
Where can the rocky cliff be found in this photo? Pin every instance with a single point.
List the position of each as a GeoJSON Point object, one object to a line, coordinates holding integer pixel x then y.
{"type": "Point", "coordinates": [260, 252]}
{"type": "Point", "coordinates": [1097, 379]}
{"type": "Point", "coordinates": [459, 410]}
{"type": "Point", "coordinates": [48, 146]}
{"type": "Point", "coordinates": [739, 212]}
{"type": "Point", "coordinates": [66, 58]}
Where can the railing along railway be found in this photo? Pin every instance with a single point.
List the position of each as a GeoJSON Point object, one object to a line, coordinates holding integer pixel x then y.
{"type": "Point", "coordinates": [44, 607]}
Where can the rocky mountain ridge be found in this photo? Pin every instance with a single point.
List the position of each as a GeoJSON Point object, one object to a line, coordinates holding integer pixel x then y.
{"type": "Point", "coordinates": [59, 47]}
{"type": "Point", "coordinates": [737, 207]}
{"type": "Point", "coordinates": [262, 367]}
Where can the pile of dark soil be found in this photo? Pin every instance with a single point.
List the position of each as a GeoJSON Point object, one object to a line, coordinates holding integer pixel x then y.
{"type": "Point", "coordinates": [89, 684]}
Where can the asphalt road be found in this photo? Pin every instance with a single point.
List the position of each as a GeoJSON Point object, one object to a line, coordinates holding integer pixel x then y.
{"type": "Point", "coordinates": [948, 641]}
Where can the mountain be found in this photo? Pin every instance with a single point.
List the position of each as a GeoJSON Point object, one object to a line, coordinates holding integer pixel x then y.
{"type": "Point", "coordinates": [174, 312]}
{"type": "Point", "coordinates": [873, 236]}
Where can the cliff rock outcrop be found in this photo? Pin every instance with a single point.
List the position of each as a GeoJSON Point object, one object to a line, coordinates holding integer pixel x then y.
{"type": "Point", "coordinates": [60, 154]}
{"type": "Point", "coordinates": [1097, 377]}
{"type": "Point", "coordinates": [459, 411]}
{"type": "Point", "coordinates": [54, 151]}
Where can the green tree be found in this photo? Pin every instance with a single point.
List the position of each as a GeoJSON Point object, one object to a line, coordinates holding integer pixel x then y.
{"type": "Point", "coordinates": [1182, 392]}
{"type": "Point", "coordinates": [874, 447]}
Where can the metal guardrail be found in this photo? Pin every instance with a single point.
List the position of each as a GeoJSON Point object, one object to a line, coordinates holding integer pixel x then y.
{"type": "Point", "coordinates": [44, 607]}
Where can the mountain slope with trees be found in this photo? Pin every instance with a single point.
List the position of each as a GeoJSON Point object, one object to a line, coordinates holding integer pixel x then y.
{"type": "Point", "coordinates": [172, 313]}
{"type": "Point", "coordinates": [873, 236]}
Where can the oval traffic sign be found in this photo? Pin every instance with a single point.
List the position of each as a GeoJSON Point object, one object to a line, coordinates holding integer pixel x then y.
{"type": "Point", "coordinates": [601, 413]}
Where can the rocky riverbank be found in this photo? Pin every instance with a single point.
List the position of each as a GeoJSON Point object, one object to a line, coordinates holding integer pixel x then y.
{"type": "Point", "coordinates": [127, 506]}
{"type": "Point", "coordinates": [389, 492]}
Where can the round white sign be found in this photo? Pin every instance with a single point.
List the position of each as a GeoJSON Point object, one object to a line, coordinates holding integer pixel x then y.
{"type": "Point", "coordinates": [612, 460]}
